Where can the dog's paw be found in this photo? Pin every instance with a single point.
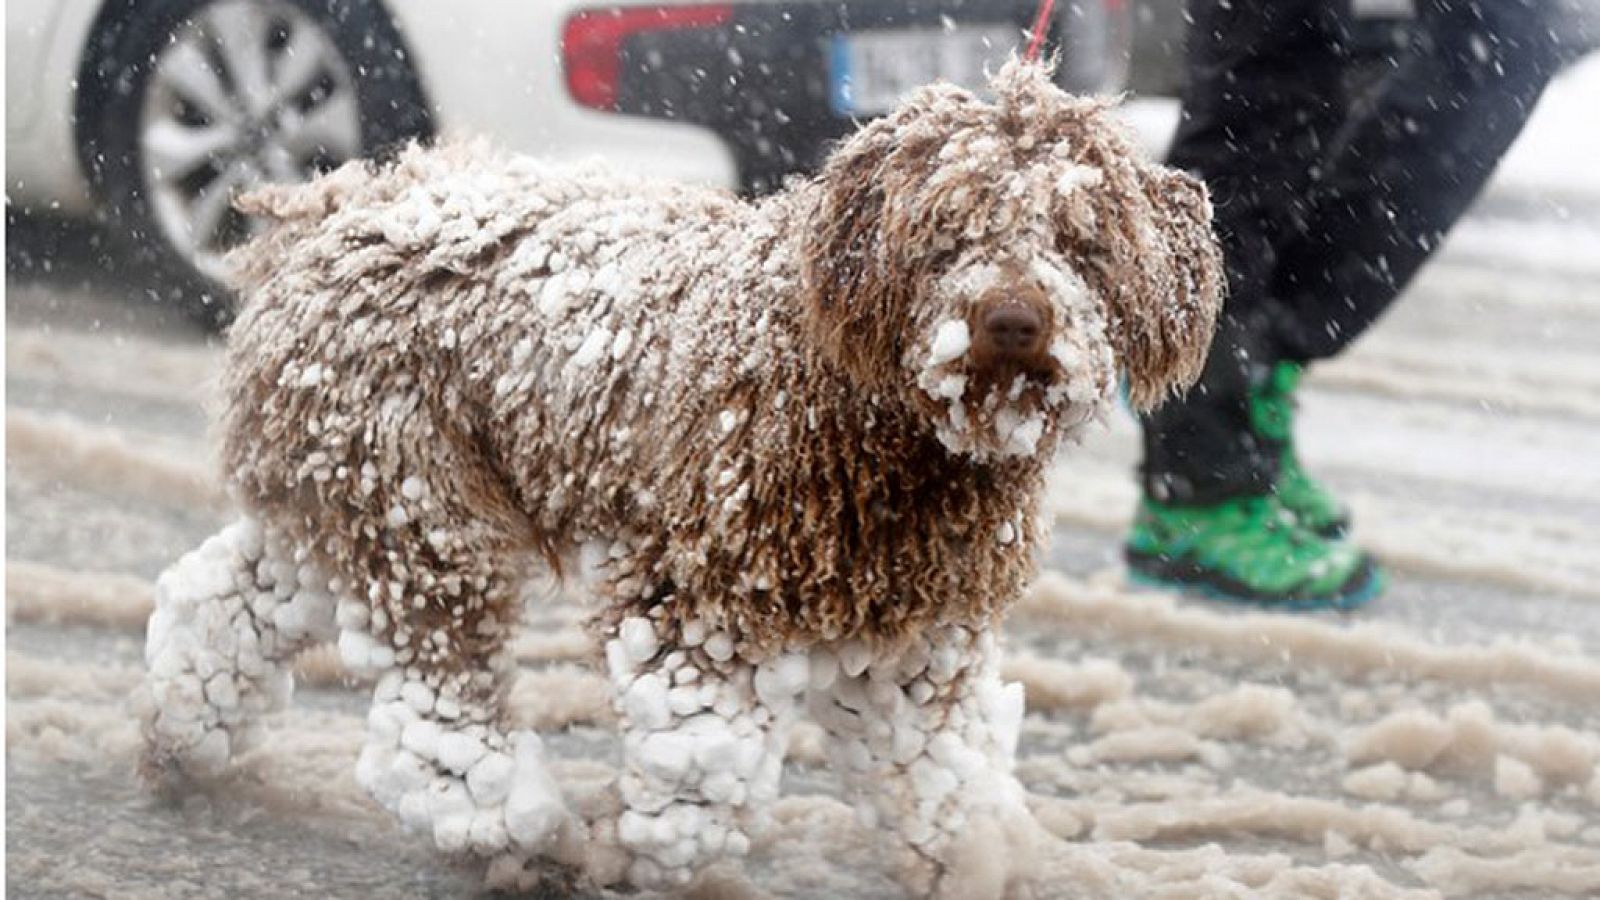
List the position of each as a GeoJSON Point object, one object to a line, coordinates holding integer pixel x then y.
{"type": "Point", "coordinates": [516, 803]}
{"type": "Point", "coordinates": [182, 743]}
{"type": "Point", "coordinates": [582, 857]}
{"type": "Point", "coordinates": [519, 874]}
{"type": "Point", "coordinates": [471, 790]}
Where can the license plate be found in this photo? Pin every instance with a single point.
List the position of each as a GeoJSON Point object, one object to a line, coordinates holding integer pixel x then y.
{"type": "Point", "coordinates": [871, 71]}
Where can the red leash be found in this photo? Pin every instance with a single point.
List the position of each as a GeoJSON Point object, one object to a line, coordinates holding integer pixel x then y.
{"type": "Point", "coordinates": [1041, 24]}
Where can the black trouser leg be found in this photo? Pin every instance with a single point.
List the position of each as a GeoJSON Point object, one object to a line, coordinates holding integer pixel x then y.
{"type": "Point", "coordinates": [1403, 175]}
{"type": "Point", "coordinates": [1263, 100]}
{"type": "Point", "coordinates": [1323, 230]}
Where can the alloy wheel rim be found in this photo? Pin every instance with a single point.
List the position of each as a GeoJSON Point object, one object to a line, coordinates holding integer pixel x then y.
{"type": "Point", "coordinates": [244, 93]}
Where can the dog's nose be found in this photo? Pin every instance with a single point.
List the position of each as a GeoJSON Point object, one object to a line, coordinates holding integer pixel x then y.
{"type": "Point", "coordinates": [1014, 330]}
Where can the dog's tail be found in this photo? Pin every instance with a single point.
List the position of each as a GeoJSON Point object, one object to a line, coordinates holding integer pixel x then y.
{"type": "Point", "coordinates": [361, 199]}
{"type": "Point", "coordinates": [287, 211]}
{"type": "Point", "coordinates": [321, 197]}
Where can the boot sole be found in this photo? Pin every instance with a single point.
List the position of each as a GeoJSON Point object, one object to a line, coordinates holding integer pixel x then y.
{"type": "Point", "coordinates": [1189, 577]}
{"type": "Point", "coordinates": [1336, 530]}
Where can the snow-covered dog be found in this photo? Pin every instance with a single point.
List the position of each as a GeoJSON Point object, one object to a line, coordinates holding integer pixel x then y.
{"type": "Point", "coordinates": [808, 433]}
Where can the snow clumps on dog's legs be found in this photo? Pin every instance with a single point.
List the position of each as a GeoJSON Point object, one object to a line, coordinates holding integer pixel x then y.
{"type": "Point", "coordinates": [706, 727]}
{"type": "Point", "coordinates": [229, 618]}
{"type": "Point", "coordinates": [437, 756]}
{"type": "Point", "coordinates": [926, 737]}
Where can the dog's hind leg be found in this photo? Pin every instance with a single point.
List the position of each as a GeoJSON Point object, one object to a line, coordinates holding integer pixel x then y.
{"type": "Point", "coordinates": [229, 618]}
{"type": "Point", "coordinates": [705, 733]}
{"type": "Point", "coordinates": [926, 740]}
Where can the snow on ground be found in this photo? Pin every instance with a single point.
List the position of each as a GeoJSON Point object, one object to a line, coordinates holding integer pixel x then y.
{"type": "Point", "coordinates": [1444, 742]}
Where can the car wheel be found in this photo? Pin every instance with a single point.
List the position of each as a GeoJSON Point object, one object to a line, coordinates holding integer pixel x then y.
{"type": "Point", "coordinates": [186, 103]}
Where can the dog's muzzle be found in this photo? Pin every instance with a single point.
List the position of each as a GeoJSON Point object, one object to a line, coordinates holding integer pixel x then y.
{"type": "Point", "coordinates": [1011, 332]}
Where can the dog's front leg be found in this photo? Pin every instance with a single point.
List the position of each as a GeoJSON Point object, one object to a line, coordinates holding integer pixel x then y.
{"type": "Point", "coordinates": [926, 738]}
{"type": "Point", "coordinates": [440, 752]}
{"type": "Point", "coordinates": [705, 733]}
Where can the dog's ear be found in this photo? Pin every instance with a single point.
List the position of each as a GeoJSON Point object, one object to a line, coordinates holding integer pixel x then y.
{"type": "Point", "coordinates": [844, 267]}
{"type": "Point", "coordinates": [1143, 234]}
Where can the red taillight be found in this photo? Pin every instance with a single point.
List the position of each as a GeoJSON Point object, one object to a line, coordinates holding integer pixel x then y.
{"type": "Point", "coordinates": [591, 43]}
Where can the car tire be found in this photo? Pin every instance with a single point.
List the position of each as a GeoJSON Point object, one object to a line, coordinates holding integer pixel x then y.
{"type": "Point", "coordinates": [142, 104]}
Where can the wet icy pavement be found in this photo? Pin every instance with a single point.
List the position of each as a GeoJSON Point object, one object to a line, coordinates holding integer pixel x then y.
{"type": "Point", "coordinates": [1445, 741]}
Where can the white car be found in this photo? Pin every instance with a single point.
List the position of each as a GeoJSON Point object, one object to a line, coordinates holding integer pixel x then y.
{"type": "Point", "coordinates": [155, 113]}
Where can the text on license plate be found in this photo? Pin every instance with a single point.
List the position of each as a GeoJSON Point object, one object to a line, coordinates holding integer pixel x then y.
{"type": "Point", "coordinates": [871, 71]}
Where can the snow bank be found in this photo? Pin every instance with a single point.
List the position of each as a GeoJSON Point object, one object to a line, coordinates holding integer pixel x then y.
{"type": "Point", "coordinates": [105, 460]}
{"type": "Point", "coordinates": [1305, 819]}
{"type": "Point", "coordinates": [1053, 685]}
{"type": "Point", "coordinates": [1470, 738]}
{"type": "Point", "coordinates": [566, 644]}
{"type": "Point", "coordinates": [1460, 874]}
{"type": "Point", "coordinates": [559, 696]}
{"type": "Point", "coordinates": [127, 365]}
{"type": "Point", "coordinates": [47, 594]}
{"type": "Point", "coordinates": [1356, 650]}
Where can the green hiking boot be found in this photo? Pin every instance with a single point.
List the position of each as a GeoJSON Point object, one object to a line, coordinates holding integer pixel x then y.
{"type": "Point", "coordinates": [1272, 417]}
{"type": "Point", "coordinates": [1250, 550]}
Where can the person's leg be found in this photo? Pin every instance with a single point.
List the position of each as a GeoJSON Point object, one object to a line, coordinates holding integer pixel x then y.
{"type": "Point", "coordinates": [1403, 169]}
{"type": "Point", "coordinates": [1403, 174]}
{"type": "Point", "coordinates": [1263, 99]}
